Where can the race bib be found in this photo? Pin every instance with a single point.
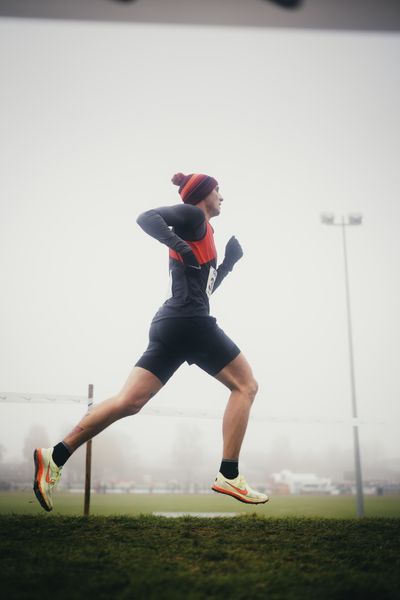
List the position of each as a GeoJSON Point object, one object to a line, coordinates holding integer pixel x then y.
{"type": "Point", "coordinates": [212, 276]}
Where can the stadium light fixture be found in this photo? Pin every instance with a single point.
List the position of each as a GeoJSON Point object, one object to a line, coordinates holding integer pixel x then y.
{"type": "Point", "coordinates": [352, 219]}
{"type": "Point", "coordinates": [355, 219]}
{"type": "Point", "coordinates": [327, 218]}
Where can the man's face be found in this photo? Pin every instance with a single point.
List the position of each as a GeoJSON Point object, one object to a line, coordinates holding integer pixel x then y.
{"type": "Point", "coordinates": [213, 202]}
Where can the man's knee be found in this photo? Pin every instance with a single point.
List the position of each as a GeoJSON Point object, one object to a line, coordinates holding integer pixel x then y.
{"type": "Point", "coordinates": [132, 404]}
{"type": "Point", "coordinates": [252, 389]}
{"type": "Point", "coordinates": [140, 386]}
{"type": "Point", "coordinates": [249, 388]}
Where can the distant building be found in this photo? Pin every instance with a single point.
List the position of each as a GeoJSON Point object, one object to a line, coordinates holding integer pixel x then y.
{"type": "Point", "coordinates": [301, 483]}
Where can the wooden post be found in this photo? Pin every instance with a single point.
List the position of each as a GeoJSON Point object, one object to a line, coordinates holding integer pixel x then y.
{"type": "Point", "coordinates": [88, 468]}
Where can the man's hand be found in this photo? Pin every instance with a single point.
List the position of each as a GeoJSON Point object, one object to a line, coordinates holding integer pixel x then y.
{"type": "Point", "coordinates": [190, 261]}
{"type": "Point", "coordinates": [233, 253]}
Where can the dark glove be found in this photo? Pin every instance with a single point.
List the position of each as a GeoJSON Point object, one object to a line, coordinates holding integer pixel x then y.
{"type": "Point", "coordinates": [233, 253]}
{"type": "Point", "coordinates": [190, 261]}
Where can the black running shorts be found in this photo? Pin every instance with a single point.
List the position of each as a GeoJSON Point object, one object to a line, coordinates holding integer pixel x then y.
{"type": "Point", "coordinates": [196, 340]}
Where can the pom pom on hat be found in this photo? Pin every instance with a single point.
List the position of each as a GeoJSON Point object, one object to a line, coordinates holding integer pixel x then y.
{"type": "Point", "coordinates": [178, 178]}
{"type": "Point", "coordinates": [194, 187]}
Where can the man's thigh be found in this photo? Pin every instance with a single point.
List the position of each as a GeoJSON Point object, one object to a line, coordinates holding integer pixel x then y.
{"type": "Point", "coordinates": [236, 374]}
{"type": "Point", "coordinates": [141, 382]}
{"type": "Point", "coordinates": [160, 358]}
{"type": "Point", "coordinates": [214, 350]}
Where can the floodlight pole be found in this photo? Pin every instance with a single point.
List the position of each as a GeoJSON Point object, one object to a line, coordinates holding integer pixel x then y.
{"type": "Point", "coordinates": [357, 457]}
{"type": "Point", "coordinates": [88, 466]}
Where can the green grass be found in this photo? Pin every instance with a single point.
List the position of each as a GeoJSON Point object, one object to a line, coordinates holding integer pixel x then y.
{"type": "Point", "coordinates": [342, 507]}
{"type": "Point", "coordinates": [121, 558]}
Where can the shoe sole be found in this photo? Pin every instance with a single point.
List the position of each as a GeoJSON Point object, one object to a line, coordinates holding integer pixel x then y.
{"type": "Point", "coordinates": [237, 497]}
{"type": "Point", "coordinates": [36, 486]}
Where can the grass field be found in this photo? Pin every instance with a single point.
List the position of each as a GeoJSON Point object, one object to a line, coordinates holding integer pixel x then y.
{"type": "Point", "coordinates": [341, 507]}
{"type": "Point", "coordinates": [294, 547]}
{"type": "Point", "coordinates": [73, 558]}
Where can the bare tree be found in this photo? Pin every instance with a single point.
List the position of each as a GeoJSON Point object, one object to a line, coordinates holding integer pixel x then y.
{"type": "Point", "coordinates": [187, 452]}
{"type": "Point", "coordinates": [37, 437]}
{"type": "Point", "coordinates": [113, 460]}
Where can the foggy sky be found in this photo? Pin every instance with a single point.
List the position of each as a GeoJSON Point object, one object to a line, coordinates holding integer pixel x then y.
{"type": "Point", "coordinates": [96, 118]}
{"type": "Point", "coordinates": [379, 15]}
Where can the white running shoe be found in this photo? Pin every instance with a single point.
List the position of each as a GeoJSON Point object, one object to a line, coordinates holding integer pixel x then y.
{"type": "Point", "coordinates": [47, 474]}
{"type": "Point", "coordinates": [238, 488]}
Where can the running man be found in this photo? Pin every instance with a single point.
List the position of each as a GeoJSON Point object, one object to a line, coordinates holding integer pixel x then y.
{"type": "Point", "coordinates": [182, 330]}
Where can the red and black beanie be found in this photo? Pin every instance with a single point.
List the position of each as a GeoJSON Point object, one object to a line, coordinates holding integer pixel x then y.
{"type": "Point", "coordinates": [194, 187]}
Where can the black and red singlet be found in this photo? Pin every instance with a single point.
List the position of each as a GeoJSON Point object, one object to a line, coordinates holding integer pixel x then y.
{"type": "Point", "coordinates": [182, 329]}
{"type": "Point", "coordinates": [183, 227]}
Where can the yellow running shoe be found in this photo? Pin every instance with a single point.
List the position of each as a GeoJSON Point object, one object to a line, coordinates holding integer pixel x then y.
{"type": "Point", "coordinates": [47, 474]}
{"type": "Point", "coordinates": [238, 488]}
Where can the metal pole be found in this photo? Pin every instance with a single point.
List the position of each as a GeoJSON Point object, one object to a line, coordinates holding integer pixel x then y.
{"type": "Point", "coordinates": [357, 459]}
{"type": "Point", "coordinates": [88, 467]}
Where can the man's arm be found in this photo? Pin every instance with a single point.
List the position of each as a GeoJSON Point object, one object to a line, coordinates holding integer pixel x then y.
{"type": "Point", "coordinates": [233, 253]}
{"type": "Point", "coordinates": [186, 219]}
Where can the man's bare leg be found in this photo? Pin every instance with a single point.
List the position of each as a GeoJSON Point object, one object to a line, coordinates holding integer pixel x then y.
{"type": "Point", "coordinates": [238, 377]}
{"type": "Point", "coordinates": [140, 386]}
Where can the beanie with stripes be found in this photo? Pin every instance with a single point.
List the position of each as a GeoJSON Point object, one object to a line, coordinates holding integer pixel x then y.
{"type": "Point", "coordinates": [194, 187]}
